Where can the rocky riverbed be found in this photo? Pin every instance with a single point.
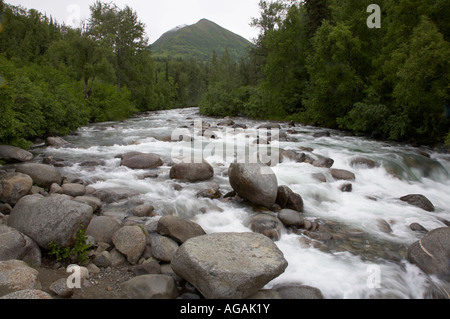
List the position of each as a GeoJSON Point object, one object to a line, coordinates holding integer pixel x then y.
{"type": "Point", "coordinates": [213, 229]}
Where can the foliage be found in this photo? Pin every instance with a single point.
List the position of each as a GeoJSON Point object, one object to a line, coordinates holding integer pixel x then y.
{"type": "Point", "coordinates": [78, 251]}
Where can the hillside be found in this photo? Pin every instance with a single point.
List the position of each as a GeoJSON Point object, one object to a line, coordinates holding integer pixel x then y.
{"type": "Point", "coordinates": [199, 41]}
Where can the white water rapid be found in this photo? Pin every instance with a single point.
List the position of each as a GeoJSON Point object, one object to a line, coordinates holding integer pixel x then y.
{"type": "Point", "coordinates": [361, 261]}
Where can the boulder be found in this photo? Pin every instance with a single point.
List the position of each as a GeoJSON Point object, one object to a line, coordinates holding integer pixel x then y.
{"type": "Point", "coordinates": [14, 186]}
{"type": "Point", "coordinates": [50, 219]}
{"type": "Point", "coordinates": [15, 245]}
{"type": "Point", "coordinates": [56, 142]}
{"type": "Point", "coordinates": [74, 190]}
{"type": "Point", "coordinates": [28, 294]}
{"type": "Point", "coordinates": [102, 228]}
{"type": "Point", "coordinates": [362, 162]}
{"type": "Point", "coordinates": [42, 175]}
{"type": "Point", "coordinates": [295, 202]}
{"type": "Point", "coordinates": [143, 210]}
{"type": "Point", "coordinates": [299, 292]}
{"type": "Point", "coordinates": [192, 172]}
{"type": "Point", "coordinates": [323, 162]}
{"type": "Point", "coordinates": [12, 154]}
{"type": "Point", "coordinates": [419, 201]}
{"type": "Point", "coordinates": [432, 252]}
{"type": "Point", "coordinates": [340, 174]}
{"type": "Point", "coordinates": [254, 182]}
{"type": "Point", "coordinates": [229, 265]}
{"type": "Point", "coordinates": [130, 241]}
{"type": "Point", "coordinates": [283, 193]}
{"type": "Point", "coordinates": [178, 228]}
{"type": "Point", "coordinates": [163, 248]}
{"type": "Point", "coordinates": [266, 225]}
{"type": "Point", "coordinates": [290, 217]}
{"type": "Point", "coordinates": [141, 161]}
{"type": "Point", "coordinates": [17, 275]}
{"type": "Point", "coordinates": [92, 201]}
{"type": "Point", "coordinates": [153, 286]}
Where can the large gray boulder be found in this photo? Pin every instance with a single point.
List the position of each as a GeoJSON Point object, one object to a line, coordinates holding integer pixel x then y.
{"type": "Point", "coordinates": [192, 172]}
{"type": "Point", "coordinates": [12, 154]}
{"type": "Point", "coordinates": [15, 245]}
{"type": "Point", "coordinates": [432, 253]}
{"type": "Point", "coordinates": [229, 265]}
{"type": "Point", "coordinates": [141, 161]}
{"type": "Point", "coordinates": [50, 219]}
{"type": "Point", "coordinates": [14, 186]}
{"type": "Point", "coordinates": [42, 175]}
{"type": "Point", "coordinates": [254, 182]}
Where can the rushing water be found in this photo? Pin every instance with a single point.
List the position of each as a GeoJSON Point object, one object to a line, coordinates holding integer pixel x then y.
{"type": "Point", "coordinates": [360, 261]}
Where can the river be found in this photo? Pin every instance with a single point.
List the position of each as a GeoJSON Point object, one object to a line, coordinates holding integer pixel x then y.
{"type": "Point", "coordinates": [360, 261]}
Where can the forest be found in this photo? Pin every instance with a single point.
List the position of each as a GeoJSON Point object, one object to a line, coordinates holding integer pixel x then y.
{"type": "Point", "coordinates": [315, 62]}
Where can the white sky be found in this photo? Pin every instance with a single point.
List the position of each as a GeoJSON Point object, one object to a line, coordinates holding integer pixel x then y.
{"type": "Point", "coordinates": [159, 16]}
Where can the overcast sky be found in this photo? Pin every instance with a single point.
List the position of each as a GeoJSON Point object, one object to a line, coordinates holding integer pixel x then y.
{"type": "Point", "coordinates": [160, 16]}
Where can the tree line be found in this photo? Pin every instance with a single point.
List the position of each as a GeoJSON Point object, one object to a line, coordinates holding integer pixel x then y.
{"type": "Point", "coordinates": [55, 79]}
{"type": "Point", "coordinates": [314, 61]}
{"type": "Point", "coordinates": [317, 62]}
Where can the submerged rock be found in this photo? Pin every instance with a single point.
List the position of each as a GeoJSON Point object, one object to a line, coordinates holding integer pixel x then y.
{"type": "Point", "coordinates": [419, 201]}
{"type": "Point", "coordinates": [229, 265]}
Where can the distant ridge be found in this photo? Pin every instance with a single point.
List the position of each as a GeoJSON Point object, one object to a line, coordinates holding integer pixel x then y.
{"type": "Point", "coordinates": [199, 41]}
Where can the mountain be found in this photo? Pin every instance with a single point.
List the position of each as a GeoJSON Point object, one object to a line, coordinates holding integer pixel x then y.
{"type": "Point", "coordinates": [199, 41]}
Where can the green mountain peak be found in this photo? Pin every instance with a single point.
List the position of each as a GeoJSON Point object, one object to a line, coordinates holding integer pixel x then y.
{"type": "Point", "coordinates": [199, 41]}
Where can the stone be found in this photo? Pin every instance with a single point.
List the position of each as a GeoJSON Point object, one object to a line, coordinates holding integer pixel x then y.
{"type": "Point", "coordinates": [292, 156]}
{"type": "Point", "coordinates": [384, 226]}
{"type": "Point", "coordinates": [192, 172]}
{"type": "Point", "coordinates": [103, 260]}
{"type": "Point", "coordinates": [163, 248]}
{"type": "Point", "coordinates": [178, 228]}
{"type": "Point", "coordinates": [12, 154]}
{"type": "Point", "coordinates": [50, 219]}
{"type": "Point", "coordinates": [143, 210]}
{"type": "Point", "coordinates": [295, 202]}
{"type": "Point", "coordinates": [283, 193]}
{"type": "Point", "coordinates": [42, 175]}
{"type": "Point", "coordinates": [130, 241]}
{"type": "Point", "coordinates": [56, 142]}
{"type": "Point", "coordinates": [419, 201]}
{"type": "Point", "coordinates": [74, 190]}
{"type": "Point", "coordinates": [229, 265]}
{"type": "Point", "coordinates": [17, 275]}
{"type": "Point", "coordinates": [323, 162]}
{"type": "Point", "coordinates": [17, 246]}
{"type": "Point", "coordinates": [142, 161]}
{"type": "Point", "coordinates": [266, 225]}
{"type": "Point", "coordinates": [14, 186]}
{"type": "Point", "coordinates": [418, 228]}
{"type": "Point", "coordinates": [290, 217]}
{"type": "Point", "coordinates": [346, 188]}
{"type": "Point", "coordinates": [92, 201]}
{"type": "Point", "coordinates": [59, 288]}
{"type": "Point", "coordinates": [102, 228]}
{"type": "Point", "coordinates": [256, 183]}
{"type": "Point", "coordinates": [299, 292]}
{"type": "Point", "coordinates": [153, 286]}
{"type": "Point", "coordinates": [362, 162]}
{"type": "Point", "coordinates": [340, 174]}
{"type": "Point", "coordinates": [28, 294]}
{"type": "Point", "coordinates": [432, 252]}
